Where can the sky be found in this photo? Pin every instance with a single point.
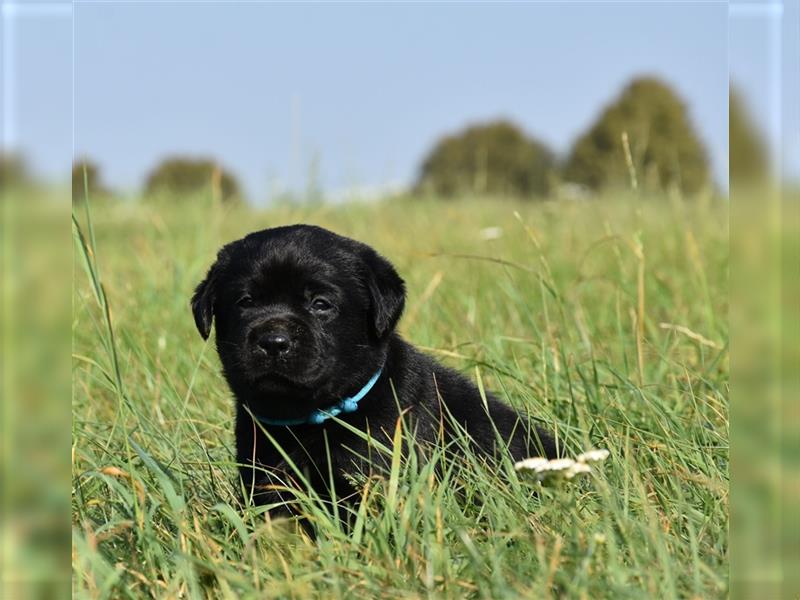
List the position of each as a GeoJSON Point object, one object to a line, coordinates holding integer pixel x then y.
{"type": "Point", "coordinates": [359, 91]}
{"type": "Point", "coordinates": [765, 66]}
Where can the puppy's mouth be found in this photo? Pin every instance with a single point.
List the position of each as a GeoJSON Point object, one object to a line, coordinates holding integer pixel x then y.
{"type": "Point", "coordinates": [288, 373]}
{"type": "Point", "coordinates": [283, 373]}
{"type": "Point", "coordinates": [279, 377]}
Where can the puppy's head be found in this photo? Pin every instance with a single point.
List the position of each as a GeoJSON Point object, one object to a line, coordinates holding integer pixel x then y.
{"type": "Point", "coordinates": [302, 316]}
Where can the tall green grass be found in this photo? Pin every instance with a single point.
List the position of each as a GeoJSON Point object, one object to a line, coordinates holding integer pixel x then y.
{"type": "Point", "coordinates": [606, 319]}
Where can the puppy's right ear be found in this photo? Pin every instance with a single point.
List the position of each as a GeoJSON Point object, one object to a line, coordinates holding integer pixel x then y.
{"type": "Point", "coordinates": [205, 295]}
{"type": "Point", "coordinates": [387, 292]}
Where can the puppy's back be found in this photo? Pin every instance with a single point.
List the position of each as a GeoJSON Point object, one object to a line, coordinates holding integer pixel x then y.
{"type": "Point", "coordinates": [443, 394]}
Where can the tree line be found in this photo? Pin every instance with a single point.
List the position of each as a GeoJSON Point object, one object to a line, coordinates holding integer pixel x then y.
{"type": "Point", "coordinates": [643, 139]}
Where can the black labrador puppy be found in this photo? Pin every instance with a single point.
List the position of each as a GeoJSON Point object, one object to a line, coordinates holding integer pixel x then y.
{"type": "Point", "coordinates": [305, 325]}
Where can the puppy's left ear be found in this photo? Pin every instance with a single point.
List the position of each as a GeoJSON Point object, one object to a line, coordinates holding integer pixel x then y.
{"type": "Point", "coordinates": [203, 299]}
{"type": "Point", "coordinates": [387, 292]}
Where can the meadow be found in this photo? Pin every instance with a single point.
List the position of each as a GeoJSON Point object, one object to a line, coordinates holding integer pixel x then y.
{"type": "Point", "coordinates": [605, 318]}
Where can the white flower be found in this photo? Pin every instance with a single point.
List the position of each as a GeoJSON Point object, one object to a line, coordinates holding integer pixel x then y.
{"type": "Point", "coordinates": [577, 469]}
{"type": "Point", "coordinates": [530, 464]}
{"type": "Point", "coordinates": [560, 467]}
{"type": "Point", "coordinates": [560, 464]}
{"type": "Point", "coordinates": [491, 233]}
{"type": "Point", "coordinates": [592, 456]}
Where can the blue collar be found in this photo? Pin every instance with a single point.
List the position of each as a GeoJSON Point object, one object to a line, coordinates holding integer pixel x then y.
{"type": "Point", "coordinates": [346, 405]}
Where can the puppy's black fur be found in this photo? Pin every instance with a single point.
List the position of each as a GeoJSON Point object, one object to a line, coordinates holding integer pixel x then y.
{"type": "Point", "coordinates": [305, 317]}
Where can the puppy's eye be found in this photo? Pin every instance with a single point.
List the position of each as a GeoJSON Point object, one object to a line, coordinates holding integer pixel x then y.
{"type": "Point", "coordinates": [245, 301]}
{"type": "Point", "coordinates": [320, 305]}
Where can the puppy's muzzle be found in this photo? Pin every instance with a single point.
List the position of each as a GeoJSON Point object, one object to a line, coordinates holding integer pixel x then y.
{"type": "Point", "coordinates": [276, 338]}
{"type": "Point", "coordinates": [275, 344]}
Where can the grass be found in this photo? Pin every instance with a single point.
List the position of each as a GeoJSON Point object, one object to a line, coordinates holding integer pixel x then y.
{"type": "Point", "coordinates": [606, 319]}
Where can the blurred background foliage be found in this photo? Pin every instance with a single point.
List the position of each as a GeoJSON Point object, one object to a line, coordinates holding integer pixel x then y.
{"type": "Point", "coordinates": [495, 158]}
{"type": "Point", "coordinates": [181, 176]}
{"type": "Point", "coordinates": [664, 148]}
{"type": "Point", "coordinates": [86, 181]}
{"type": "Point", "coordinates": [643, 140]}
{"type": "Point", "coordinates": [13, 170]}
{"type": "Point", "coordinates": [747, 155]}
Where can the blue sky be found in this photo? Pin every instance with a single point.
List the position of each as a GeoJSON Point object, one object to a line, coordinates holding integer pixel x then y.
{"type": "Point", "coordinates": [764, 65]}
{"type": "Point", "coordinates": [363, 89]}
{"type": "Point", "coordinates": [367, 89]}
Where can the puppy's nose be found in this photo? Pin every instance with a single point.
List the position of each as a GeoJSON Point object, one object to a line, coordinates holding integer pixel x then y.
{"type": "Point", "coordinates": [274, 344]}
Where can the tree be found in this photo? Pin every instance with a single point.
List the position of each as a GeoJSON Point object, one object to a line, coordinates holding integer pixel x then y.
{"type": "Point", "coordinates": [663, 149]}
{"type": "Point", "coordinates": [92, 178]}
{"type": "Point", "coordinates": [747, 154]}
{"type": "Point", "coordinates": [13, 171]}
{"type": "Point", "coordinates": [491, 158]}
{"type": "Point", "coordinates": [181, 176]}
